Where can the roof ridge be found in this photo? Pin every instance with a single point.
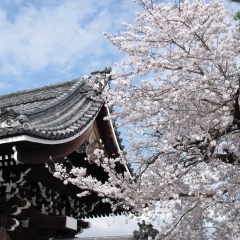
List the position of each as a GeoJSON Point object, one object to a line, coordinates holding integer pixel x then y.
{"type": "Point", "coordinates": [41, 87]}
{"type": "Point", "coordinates": [36, 94]}
{"type": "Point", "coordinates": [58, 100]}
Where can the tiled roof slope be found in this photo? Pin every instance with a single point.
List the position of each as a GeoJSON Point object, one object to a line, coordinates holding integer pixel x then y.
{"type": "Point", "coordinates": [52, 112]}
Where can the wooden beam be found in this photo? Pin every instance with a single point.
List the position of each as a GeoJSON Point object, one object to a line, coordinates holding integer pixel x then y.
{"type": "Point", "coordinates": [56, 223]}
{"type": "Point", "coordinates": [35, 153]}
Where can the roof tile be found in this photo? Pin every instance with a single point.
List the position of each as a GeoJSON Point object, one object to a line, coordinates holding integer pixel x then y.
{"type": "Point", "coordinates": [56, 111]}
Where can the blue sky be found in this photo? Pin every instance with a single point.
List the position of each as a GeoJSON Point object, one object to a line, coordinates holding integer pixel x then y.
{"type": "Point", "coordinates": [49, 41]}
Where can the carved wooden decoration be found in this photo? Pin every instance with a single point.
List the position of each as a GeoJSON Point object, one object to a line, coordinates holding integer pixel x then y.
{"type": "Point", "coordinates": [58, 123]}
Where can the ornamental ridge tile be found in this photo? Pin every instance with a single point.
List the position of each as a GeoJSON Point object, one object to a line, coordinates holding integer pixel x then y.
{"type": "Point", "coordinates": [36, 94]}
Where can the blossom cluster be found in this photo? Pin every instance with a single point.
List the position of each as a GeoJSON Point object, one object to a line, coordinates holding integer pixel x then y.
{"type": "Point", "coordinates": [183, 121]}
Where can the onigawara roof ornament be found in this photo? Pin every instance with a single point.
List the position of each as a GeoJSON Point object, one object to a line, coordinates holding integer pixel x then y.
{"type": "Point", "coordinates": [146, 230]}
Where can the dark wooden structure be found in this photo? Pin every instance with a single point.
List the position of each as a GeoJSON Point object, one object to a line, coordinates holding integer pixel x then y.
{"type": "Point", "coordinates": [44, 126]}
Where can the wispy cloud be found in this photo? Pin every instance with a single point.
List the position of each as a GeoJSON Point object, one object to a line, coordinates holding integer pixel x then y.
{"type": "Point", "coordinates": [48, 41]}
{"type": "Point", "coordinates": [64, 36]}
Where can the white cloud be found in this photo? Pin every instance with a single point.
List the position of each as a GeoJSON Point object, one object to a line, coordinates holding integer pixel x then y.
{"type": "Point", "coordinates": [47, 41]}
{"type": "Point", "coordinates": [58, 37]}
{"type": "Point", "coordinates": [39, 38]}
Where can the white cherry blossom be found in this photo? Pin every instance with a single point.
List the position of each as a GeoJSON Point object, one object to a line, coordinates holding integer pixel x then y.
{"type": "Point", "coordinates": [183, 120]}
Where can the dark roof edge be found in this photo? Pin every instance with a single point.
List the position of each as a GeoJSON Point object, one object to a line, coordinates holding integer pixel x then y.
{"type": "Point", "coordinates": [116, 141]}
{"type": "Point", "coordinates": [28, 138]}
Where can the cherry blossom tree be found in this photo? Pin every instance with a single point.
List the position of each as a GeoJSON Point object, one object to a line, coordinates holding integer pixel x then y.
{"type": "Point", "coordinates": [177, 92]}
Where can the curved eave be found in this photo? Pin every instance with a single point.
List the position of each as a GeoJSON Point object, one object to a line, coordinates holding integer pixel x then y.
{"type": "Point", "coordinates": [115, 147]}
{"type": "Point", "coordinates": [34, 139]}
{"type": "Point", "coordinates": [47, 116]}
{"type": "Point", "coordinates": [39, 150]}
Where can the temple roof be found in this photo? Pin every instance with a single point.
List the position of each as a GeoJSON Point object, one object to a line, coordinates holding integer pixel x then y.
{"type": "Point", "coordinates": [61, 123]}
{"type": "Point", "coordinates": [58, 123]}
{"type": "Point", "coordinates": [54, 112]}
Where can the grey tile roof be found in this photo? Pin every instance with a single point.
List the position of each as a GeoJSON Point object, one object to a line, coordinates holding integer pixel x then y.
{"type": "Point", "coordinates": [57, 111]}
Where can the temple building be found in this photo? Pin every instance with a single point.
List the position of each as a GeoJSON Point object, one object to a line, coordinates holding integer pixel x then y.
{"type": "Point", "coordinates": [42, 126]}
